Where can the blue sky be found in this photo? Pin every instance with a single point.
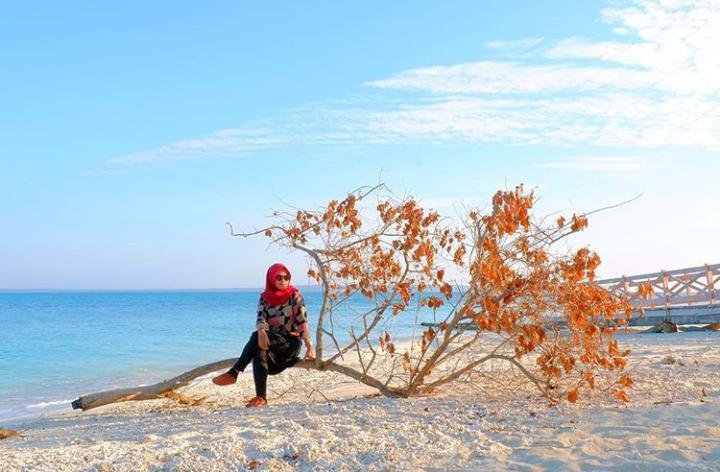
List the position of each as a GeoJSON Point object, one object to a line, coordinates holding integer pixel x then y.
{"type": "Point", "coordinates": [130, 133]}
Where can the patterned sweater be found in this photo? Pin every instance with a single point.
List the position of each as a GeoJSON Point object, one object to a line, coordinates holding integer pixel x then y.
{"type": "Point", "coordinates": [286, 318]}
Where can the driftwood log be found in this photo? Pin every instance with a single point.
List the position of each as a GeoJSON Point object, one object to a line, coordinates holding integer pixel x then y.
{"type": "Point", "coordinates": [166, 388]}
{"type": "Point", "coordinates": [148, 392]}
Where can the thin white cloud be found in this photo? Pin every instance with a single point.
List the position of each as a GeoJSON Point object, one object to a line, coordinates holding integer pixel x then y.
{"type": "Point", "coordinates": [673, 47]}
{"type": "Point", "coordinates": [515, 44]}
{"type": "Point", "coordinates": [602, 120]}
{"type": "Point", "coordinates": [493, 77]}
{"type": "Point", "coordinates": [657, 84]}
{"type": "Point", "coordinates": [218, 144]}
{"type": "Point", "coordinates": [605, 163]}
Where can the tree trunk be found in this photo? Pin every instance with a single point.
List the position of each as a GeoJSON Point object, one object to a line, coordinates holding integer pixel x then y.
{"type": "Point", "coordinates": [148, 392]}
{"type": "Point", "coordinates": [164, 388]}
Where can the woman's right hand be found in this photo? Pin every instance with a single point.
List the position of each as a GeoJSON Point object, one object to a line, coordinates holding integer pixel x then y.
{"type": "Point", "coordinates": [263, 340]}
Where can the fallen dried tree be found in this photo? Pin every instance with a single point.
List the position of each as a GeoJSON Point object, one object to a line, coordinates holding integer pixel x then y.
{"type": "Point", "coordinates": [168, 388]}
{"type": "Point", "coordinates": [509, 282]}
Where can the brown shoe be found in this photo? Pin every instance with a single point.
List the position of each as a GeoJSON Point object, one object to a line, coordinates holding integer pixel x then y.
{"type": "Point", "coordinates": [256, 401]}
{"type": "Point", "coordinates": [224, 379]}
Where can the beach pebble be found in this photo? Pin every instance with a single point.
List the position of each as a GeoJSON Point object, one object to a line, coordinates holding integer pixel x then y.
{"type": "Point", "coordinates": [668, 360]}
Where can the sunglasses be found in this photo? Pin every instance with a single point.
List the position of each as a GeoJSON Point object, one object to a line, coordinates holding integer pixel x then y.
{"type": "Point", "coordinates": [279, 278]}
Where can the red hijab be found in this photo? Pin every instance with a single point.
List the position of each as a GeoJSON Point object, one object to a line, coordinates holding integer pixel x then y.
{"type": "Point", "coordinates": [271, 295]}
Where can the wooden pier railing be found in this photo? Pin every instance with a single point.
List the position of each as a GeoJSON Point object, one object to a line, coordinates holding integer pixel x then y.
{"type": "Point", "coordinates": [672, 288]}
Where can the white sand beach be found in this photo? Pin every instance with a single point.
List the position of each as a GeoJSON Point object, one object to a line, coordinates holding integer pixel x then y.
{"type": "Point", "coordinates": [321, 421]}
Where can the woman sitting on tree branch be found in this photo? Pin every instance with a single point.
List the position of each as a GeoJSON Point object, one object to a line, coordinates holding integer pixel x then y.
{"type": "Point", "coordinates": [275, 345]}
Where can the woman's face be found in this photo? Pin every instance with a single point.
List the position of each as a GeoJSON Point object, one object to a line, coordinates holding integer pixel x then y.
{"type": "Point", "coordinates": [282, 280]}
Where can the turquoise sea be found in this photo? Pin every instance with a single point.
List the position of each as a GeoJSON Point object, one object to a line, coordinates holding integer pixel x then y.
{"type": "Point", "coordinates": [55, 346]}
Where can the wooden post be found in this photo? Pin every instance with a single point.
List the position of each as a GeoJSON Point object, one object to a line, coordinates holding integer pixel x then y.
{"type": "Point", "coordinates": [626, 287]}
{"type": "Point", "coordinates": [711, 284]}
{"type": "Point", "coordinates": [666, 291]}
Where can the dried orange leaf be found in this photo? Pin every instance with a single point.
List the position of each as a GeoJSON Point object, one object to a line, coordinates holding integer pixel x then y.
{"type": "Point", "coordinates": [621, 395]}
{"type": "Point", "coordinates": [626, 381]}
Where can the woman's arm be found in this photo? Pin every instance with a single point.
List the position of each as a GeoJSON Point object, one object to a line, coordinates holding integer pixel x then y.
{"type": "Point", "coordinates": [261, 325]}
{"type": "Point", "coordinates": [261, 319]}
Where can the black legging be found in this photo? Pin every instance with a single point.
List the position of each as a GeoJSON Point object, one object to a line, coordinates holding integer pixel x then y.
{"type": "Point", "coordinates": [261, 367]}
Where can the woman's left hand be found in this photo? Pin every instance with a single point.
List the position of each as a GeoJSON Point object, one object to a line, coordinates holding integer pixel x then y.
{"type": "Point", "coordinates": [310, 354]}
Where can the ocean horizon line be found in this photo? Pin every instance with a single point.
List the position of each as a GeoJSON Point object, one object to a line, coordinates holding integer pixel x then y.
{"type": "Point", "coordinates": [308, 288]}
